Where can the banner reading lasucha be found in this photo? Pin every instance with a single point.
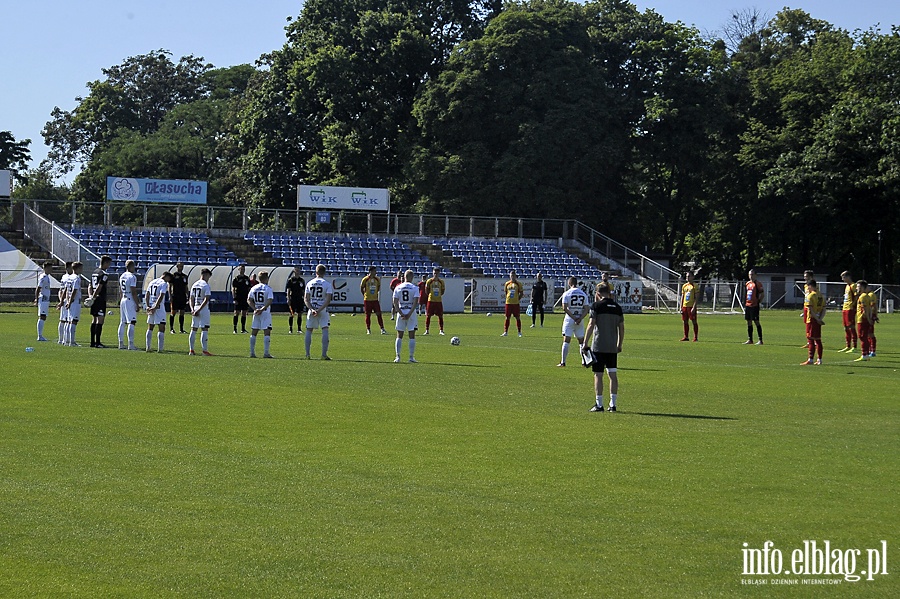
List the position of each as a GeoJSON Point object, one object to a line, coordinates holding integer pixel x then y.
{"type": "Point", "coordinates": [155, 190]}
{"type": "Point", "coordinates": [323, 197]}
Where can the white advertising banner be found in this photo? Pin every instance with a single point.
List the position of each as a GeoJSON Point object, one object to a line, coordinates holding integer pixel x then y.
{"type": "Point", "coordinates": [627, 293]}
{"type": "Point", "coordinates": [323, 197]}
{"type": "Point", "coordinates": [488, 294]}
{"type": "Point", "coordinates": [5, 184]}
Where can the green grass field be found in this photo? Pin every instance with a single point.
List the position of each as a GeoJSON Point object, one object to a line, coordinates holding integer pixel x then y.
{"type": "Point", "coordinates": [478, 472]}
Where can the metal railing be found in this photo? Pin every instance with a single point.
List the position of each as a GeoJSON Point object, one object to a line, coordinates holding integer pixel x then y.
{"type": "Point", "coordinates": [57, 241]}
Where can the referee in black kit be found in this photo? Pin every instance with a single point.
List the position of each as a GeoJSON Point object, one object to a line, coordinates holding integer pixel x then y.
{"type": "Point", "coordinates": [178, 297]}
{"type": "Point", "coordinates": [538, 299]}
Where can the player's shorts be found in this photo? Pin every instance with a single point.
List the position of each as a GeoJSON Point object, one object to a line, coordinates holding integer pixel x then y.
{"type": "Point", "coordinates": [296, 307]}
{"type": "Point", "coordinates": [74, 312]}
{"type": "Point", "coordinates": [513, 310]}
{"type": "Point", "coordinates": [43, 307]}
{"type": "Point", "coordinates": [537, 307]}
{"type": "Point", "coordinates": [370, 306]}
{"type": "Point", "coordinates": [849, 318]}
{"type": "Point", "coordinates": [158, 316]}
{"type": "Point", "coordinates": [408, 324]}
{"type": "Point", "coordinates": [98, 308]}
{"type": "Point", "coordinates": [603, 361]}
{"type": "Point", "coordinates": [201, 319]}
{"type": "Point", "coordinates": [63, 313]}
{"type": "Point", "coordinates": [241, 304]}
{"type": "Point", "coordinates": [434, 308]}
{"type": "Point", "coordinates": [261, 322]}
{"type": "Point", "coordinates": [864, 329]}
{"type": "Point", "coordinates": [570, 329]}
{"type": "Point", "coordinates": [751, 313]}
{"type": "Point", "coordinates": [127, 311]}
{"type": "Point", "coordinates": [318, 322]}
{"type": "Point", "coordinates": [688, 314]}
{"type": "Point", "coordinates": [814, 329]}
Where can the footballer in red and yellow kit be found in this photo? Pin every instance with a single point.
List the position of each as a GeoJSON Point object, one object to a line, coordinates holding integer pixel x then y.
{"type": "Point", "coordinates": [434, 289]}
{"type": "Point", "coordinates": [752, 300]}
{"type": "Point", "coordinates": [848, 312]}
{"type": "Point", "coordinates": [865, 317]}
{"type": "Point", "coordinates": [513, 291]}
{"type": "Point", "coordinates": [370, 287]}
{"type": "Point", "coordinates": [689, 295]}
{"type": "Point", "coordinates": [815, 314]}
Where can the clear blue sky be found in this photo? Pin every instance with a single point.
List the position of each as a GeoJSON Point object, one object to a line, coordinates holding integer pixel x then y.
{"type": "Point", "coordinates": [49, 50]}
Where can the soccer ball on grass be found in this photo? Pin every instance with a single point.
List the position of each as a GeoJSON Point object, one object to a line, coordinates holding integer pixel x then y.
{"type": "Point", "coordinates": [454, 341]}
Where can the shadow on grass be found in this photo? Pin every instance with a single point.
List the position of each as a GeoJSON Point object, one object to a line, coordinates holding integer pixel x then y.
{"type": "Point", "coordinates": [682, 416]}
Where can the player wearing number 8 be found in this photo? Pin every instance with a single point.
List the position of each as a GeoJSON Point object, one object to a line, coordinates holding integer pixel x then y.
{"type": "Point", "coordinates": [575, 303]}
{"type": "Point", "coordinates": [260, 299]}
{"type": "Point", "coordinates": [319, 293]}
{"type": "Point", "coordinates": [406, 297]}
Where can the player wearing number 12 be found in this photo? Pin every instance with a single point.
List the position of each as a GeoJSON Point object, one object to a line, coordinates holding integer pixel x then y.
{"type": "Point", "coordinates": [260, 299]}
{"type": "Point", "coordinates": [199, 305]}
{"type": "Point", "coordinates": [513, 291]}
{"type": "Point", "coordinates": [319, 294]}
{"type": "Point", "coordinates": [575, 303]}
{"type": "Point", "coordinates": [406, 297]}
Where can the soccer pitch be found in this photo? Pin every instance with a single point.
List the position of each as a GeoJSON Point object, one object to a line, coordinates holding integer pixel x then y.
{"type": "Point", "coordinates": [478, 472]}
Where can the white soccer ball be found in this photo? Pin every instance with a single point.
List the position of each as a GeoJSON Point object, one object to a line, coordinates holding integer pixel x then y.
{"type": "Point", "coordinates": [488, 314]}
{"type": "Point", "coordinates": [454, 341]}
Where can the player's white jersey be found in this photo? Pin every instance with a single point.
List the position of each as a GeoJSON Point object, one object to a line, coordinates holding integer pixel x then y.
{"type": "Point", "coordinates": [44, 285]}
{"type": "Point", "coordinates": [127, 282]}
{"type": "Point", "coordinates": [577, 301]}
{"type": "Point", "coordinates": [406, 294]}
{"type": "Point", "coordinates": [156, 290]}
{"type": "Point", "coordinates": [259, 295]}
{"type": "Point", "coordinates": [317, 291]}
{"type": "Point", "coordinates": [199, 292]}
{"type": "Point", "coordinates": [75, 289]}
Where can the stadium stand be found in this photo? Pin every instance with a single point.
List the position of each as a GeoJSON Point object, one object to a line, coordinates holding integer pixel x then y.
{"type": "Point", "coordinates": [344, 256]}
{"type": "Point", "coordinates": [148, 247]}
{"type": "Point", "coordinates": [528, 258]}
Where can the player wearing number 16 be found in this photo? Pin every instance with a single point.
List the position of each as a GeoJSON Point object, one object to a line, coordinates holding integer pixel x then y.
{"type": "Point", "coordinates": [260, 299]}
{"type": "Point", "coordinates": [319, 293]}
{"type": "Point", "coordinates": [406, 297]}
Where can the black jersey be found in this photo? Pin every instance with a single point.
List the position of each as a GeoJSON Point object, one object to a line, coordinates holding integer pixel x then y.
{"type": "Point", "coordinates": [98, 284]}
{"type": "Point", "coordinates": [240, 284]}
{"type": "Point", "coordinates": [178, 288]}
{"type": "Point", "coordinates": [295, 287]}
{"type": "Point", "coordinates": [539, 292]}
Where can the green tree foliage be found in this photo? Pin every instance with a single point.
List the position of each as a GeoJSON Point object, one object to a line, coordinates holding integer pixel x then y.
{"type": "Point", "coordinates": [14, 155]}
{"type": "Point", "coordinates": [40, 185]}
{"type": "Point", "coordinates": [333, 102]}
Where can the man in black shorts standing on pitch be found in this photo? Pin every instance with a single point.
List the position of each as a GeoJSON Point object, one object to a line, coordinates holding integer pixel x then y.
{"type": "Point", "coordinates": [240, 289]}
{"type": "Point", "coordinates": [97, 294]}
{"type": "Point", "coordinates": [538, 299]}
{"type": "Point", "coordinates": [295, 288]}
{"type": "Point", "coordinates": [178, 297]}
{"type": "Point", "coordinates": [608, 325]}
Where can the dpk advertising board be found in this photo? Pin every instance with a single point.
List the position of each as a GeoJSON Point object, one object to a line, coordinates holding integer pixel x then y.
{"type": "Point", "coordinates": [488, 294]}
{"type": "Point", "coordinates": [155, 190]}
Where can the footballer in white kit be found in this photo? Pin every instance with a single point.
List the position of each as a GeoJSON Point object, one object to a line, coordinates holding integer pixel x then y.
{"type": "Point", "coordinates": [199, 299]}
{"type": "Point", "coordinates": [317, 291]}
{"type": "Point", "coordinates": [406, 297]}
{"type": "Point", "coordinates": [42, 299]}
{"type": "Point", "coordinates": [127, 305]}
{"type": "Point", "coordinates": [153, 299]}
{"type": "Point", "coordinates": [576, 304]}
{"type": "Point", "coordinates": [260, 298]}
{"type": "Point", "coordinates": [198, 302]}
{"type": "Point", "coordinates": [61, 295]}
